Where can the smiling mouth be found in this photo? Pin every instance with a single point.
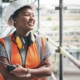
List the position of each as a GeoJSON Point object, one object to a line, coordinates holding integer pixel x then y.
{"type": "Point", "coordinates": [30, 24]}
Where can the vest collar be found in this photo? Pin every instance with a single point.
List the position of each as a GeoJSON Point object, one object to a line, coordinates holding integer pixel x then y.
{"type": "Point", "coordinates": [30, 37]}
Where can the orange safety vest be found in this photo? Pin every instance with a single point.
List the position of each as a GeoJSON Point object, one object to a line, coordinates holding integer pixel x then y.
{"type": "Point", "coordinates": [32, 58]}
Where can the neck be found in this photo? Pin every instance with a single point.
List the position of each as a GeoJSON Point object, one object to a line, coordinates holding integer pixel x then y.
{"type": "Point", "coordinates": [22, 34]}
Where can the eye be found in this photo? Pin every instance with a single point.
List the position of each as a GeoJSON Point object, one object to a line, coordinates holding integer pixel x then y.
{"type": "Point", "coordinates": [27, 14]}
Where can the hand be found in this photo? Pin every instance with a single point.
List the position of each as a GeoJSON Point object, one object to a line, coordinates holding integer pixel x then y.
{"type": "Point", "coordinates": [44, 63]}
{"type": "Point", "coordinates": [19, 71]}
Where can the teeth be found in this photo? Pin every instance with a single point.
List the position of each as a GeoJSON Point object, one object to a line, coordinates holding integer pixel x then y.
{"type": "Point", "coordinates": [30, 24]}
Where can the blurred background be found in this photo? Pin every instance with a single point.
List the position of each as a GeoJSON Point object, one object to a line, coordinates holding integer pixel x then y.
{"type": "Point", "coordinates": [48, 22]}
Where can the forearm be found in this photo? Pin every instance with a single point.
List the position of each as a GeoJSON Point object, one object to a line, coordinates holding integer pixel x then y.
{"type": "Point", "coordinates": [10, 76]}
{"type": "Point", "coordinates": [41, 72]}
{"type": "Point", "coordinates": [13, 77]}
{"type": "Point", "coordinates": [44, 69]}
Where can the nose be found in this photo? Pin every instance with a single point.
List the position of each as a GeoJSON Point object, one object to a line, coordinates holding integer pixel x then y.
{"type": "Point", "coordinates": [31, 16]}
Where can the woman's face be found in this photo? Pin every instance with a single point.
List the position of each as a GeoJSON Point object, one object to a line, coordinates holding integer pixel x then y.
{"type": "Point", "coordinates": [25, 20]}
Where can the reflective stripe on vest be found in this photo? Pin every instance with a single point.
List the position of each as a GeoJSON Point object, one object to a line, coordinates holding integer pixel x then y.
{"type": "Point", "coordinates": [40, 44]}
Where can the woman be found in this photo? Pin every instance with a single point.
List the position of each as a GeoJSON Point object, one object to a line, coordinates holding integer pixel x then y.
{"type": "Point", "coordinates": [24, 53]}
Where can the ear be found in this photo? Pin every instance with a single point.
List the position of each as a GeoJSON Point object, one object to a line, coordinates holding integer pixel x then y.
{"type": "Point", "coordinates": [10, 22]}
{"type": "Point", "coordinates": [15, 20]}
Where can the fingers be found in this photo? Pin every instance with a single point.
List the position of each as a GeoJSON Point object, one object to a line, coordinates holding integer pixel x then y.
{"type": "Point", "coordinates": [12, 71]}
{"type": "Point", "coordinates": [17, 65]}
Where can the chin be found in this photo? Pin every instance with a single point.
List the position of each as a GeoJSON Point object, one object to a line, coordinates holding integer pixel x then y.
{"type": "Point", "coordinates": [31, 28]}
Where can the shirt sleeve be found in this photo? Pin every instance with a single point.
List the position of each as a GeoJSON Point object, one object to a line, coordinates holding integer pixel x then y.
{"type": "Point", "coordinates": [2, 51]}
{"type": "Point", "coordinates": [47, 51]}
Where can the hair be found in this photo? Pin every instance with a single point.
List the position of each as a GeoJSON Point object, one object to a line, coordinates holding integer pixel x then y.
{"type": "Point", "coordinates": [15, 14]}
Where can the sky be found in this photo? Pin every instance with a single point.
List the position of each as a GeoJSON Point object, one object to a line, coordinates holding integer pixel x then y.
{"type": "Point", "coordinates": [56, 2]}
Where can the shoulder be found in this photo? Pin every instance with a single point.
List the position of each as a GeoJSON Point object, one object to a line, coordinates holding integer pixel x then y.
{"type": "Point", "coordinates": [41, 37]}
{"type": "Point", "coordinates": [41, 41]}
{"type": "Point", "coordinates": [2, 40]}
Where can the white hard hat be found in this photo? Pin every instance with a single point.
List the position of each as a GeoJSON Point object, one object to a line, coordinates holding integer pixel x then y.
{"type": "Point", "coordinates": [15, 6]}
